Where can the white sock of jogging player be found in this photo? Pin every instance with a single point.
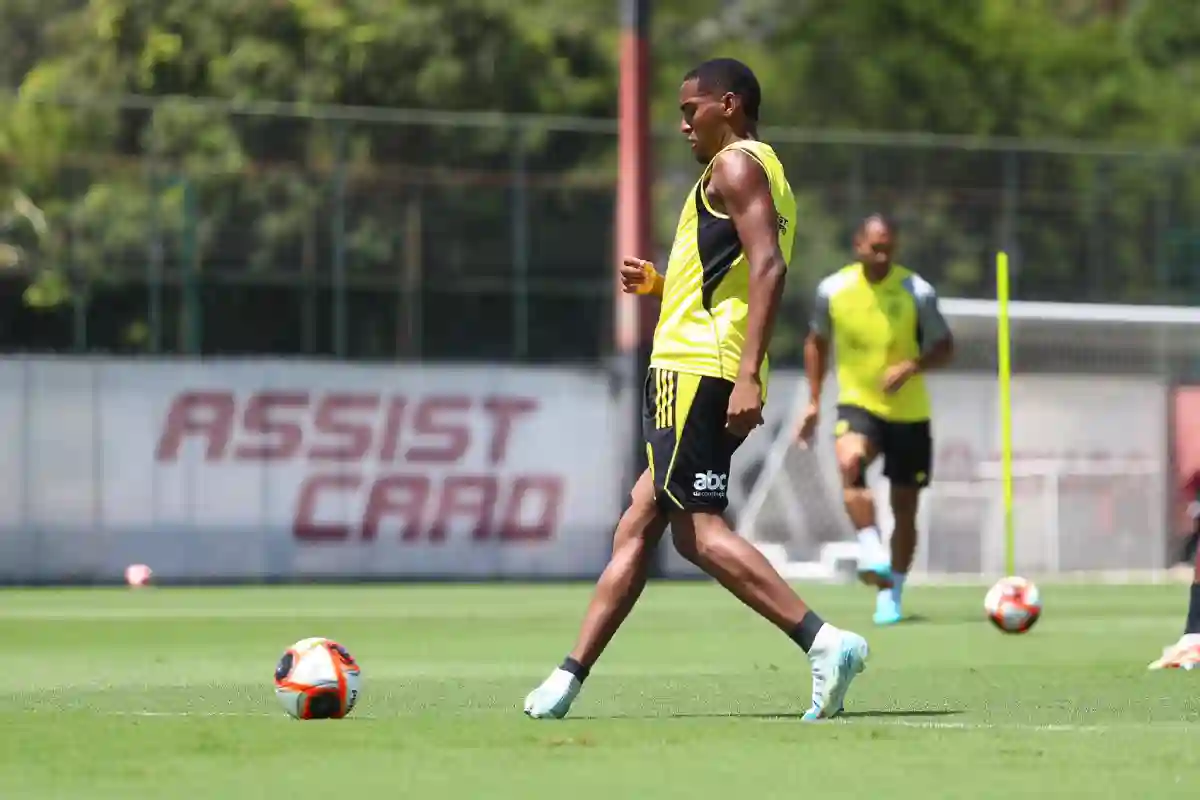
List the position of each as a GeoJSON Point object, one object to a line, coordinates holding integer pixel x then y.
{"type": "Point", "coordinates": [872, 546]}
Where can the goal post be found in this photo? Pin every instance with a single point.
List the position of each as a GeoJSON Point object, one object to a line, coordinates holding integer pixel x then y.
{"type": "Point", "coordinates": [1090, 474]}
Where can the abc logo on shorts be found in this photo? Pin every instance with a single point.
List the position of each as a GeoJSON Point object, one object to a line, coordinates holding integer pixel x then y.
{"type": "Point", "coordinates": [710, 484]}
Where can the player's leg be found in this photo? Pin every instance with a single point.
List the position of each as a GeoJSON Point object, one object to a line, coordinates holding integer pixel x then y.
{"type": "Point", "coordinates": [835, 656]}
{"type": "Point", "coordinates": [618, 589]}
{"type": "Point", "coordinates": [705, 539]}
{"type": "Point", "coordinates": [905, 499]}
{"type": "Point", "coordinates": [1185, 653]}
{"type": "Point", "coordinates": [857, 443]}
{"type": "Point", "coordinates": [638, 533]}
{"type": "Point", "coordinates": [695, 489]}
{"type": "Point", "coordinates": [621, 584]}
{"type": "Point", "coordinates": [1191, 544]}
{"type": "Point", "coordinates": [908, 465]}
{"type": "Point", "coordinates": [1193, 617]}
{"type": "Point", "coordinates": [905, 502]}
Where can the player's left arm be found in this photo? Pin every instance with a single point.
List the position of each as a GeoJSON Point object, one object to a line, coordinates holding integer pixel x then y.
{"type": "Point", "coordinates": [741, 186]}
{"type": "Point", "coordinates": [938, 340]}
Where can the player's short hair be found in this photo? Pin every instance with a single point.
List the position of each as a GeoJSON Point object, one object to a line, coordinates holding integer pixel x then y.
{"type": "Point", "coordinates": [883, 219]}
{"type": "Point", "coordinates": [720, 75]}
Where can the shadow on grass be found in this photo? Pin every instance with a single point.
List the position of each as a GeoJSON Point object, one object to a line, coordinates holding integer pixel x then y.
{"type": "Point", "coordinates": [913, 713]}
{"type": "Point", "coordinates": [916, 713]}
{"type": "Point", "coordinates": [944, 619]}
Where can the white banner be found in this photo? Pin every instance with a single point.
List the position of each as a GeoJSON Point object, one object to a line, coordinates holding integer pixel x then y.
{"type": "Point", "coordinates": [1090, 459]}
{"type": "Point", "coordinates": [261, 468]}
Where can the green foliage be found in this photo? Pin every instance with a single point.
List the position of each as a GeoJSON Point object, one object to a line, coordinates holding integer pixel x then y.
{"type": "Point", "coordinates": [1081, 227]}
{"type": "Point", "coordinates": [199, 190]}
{"type": "Point", "coordinates": [112, 180]}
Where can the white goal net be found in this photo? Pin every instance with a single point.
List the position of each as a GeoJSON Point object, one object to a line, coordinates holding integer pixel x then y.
{"type": "Point", "coordinates": [1092, 462]}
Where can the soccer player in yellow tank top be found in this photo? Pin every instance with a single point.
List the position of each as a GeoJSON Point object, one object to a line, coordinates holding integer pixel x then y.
{"type": "Point", "coordinates": [887, 332]}
{"type": "Point", "coordinates": [705, 391]}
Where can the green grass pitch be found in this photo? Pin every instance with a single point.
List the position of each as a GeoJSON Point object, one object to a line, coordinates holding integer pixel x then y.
{"type": "Point", "coordinates": [167, 693]}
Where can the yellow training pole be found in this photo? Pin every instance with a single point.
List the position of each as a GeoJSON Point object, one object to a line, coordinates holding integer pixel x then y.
{"type": "Point", "coordinates": [1004, 363]}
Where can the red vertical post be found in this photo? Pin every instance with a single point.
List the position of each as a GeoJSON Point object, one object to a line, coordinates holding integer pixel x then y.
{"type": "Point", "coordinates": [636, 316]}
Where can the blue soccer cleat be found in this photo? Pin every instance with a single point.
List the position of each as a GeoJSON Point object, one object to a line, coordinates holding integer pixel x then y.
{"type": "Point", "coordinates": [887, 609]}
{"type": "Point", "coordinates": [877, 574]}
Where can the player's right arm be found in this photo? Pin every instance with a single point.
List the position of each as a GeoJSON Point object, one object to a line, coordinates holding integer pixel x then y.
{"type": "Point", "coordinates": [816, 361]}
{"type": "Point", "coordinates": [640, 277]}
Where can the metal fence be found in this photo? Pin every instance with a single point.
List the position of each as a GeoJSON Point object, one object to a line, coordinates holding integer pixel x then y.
{"type": "Point", "coordinates": [202, 227]}
{"type": "Point", "coordinates": [1104, 437]}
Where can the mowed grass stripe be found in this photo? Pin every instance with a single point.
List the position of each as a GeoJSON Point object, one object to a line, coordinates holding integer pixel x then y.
{"type": "Point", "coordinates": [112, 693]}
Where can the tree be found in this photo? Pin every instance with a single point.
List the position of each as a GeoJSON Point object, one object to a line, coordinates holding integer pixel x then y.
{"type": "Point", "coordinates": [186, 194]}
{"type": "Point", "coordinates": [265, 188]}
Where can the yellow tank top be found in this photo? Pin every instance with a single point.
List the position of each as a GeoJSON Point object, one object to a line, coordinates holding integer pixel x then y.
{"type": "Point", "coordinates": [873, 327]}
{"type": "Point", "coordinates": [702, 325]}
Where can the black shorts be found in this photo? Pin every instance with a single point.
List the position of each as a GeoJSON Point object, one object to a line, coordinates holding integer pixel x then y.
{"type": "Point", "coordinates": [906, 447]}
{"type": "Point", "coordinates": [687, 443]}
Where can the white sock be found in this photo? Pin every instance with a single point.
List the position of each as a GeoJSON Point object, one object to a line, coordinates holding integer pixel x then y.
{"type": "Point", "coordinates": [825, 640]}
{"type": "Point", "coordinates": [897, 586]}
{"type": "Point", "coordinates": [871, 544]}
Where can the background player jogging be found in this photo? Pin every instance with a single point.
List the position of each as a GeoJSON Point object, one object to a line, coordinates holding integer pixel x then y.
{"type": "Point", "coordinates": [705, 390]}
{"type": "Point", "coordinates": [1185, 653]}
{"type": "Point", "coordinates": [887, 331]}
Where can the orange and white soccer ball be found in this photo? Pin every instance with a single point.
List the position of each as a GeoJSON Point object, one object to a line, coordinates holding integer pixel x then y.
{"type": "Point", "coordinates": [317, 679]}
{"type": "Point", "coordinates": [138, 575]}
{"type": "Point", "coordinates": [1013, 605]}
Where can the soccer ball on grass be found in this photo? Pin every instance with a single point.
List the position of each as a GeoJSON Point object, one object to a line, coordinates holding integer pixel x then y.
{"type": "Point", "coordinates": [317, 679]}
{"type": "Point", "coordinates": [1013, 605]}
